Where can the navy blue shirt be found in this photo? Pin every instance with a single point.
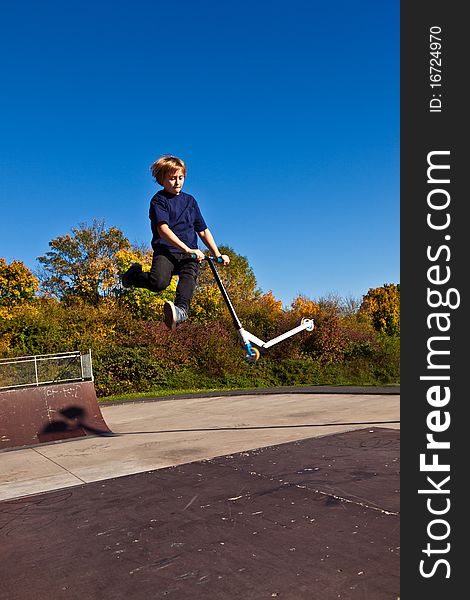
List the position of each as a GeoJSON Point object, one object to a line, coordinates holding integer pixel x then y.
{"type": "Point", "coordinates": [182, 215]}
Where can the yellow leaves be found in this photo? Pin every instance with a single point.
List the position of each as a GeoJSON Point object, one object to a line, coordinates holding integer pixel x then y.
{"type": "Point", "coordinates": [144, 304]}
{"type": "Point", "coordinates": [237, 277]}
{"type": "Point", "coordinates": [207, 304]}
{"type": "Point", "coordinates": [304, 307]}
{"type": "Point", "coordinates": [5, 342]}
{"type": "Point", "coordinates": [127, 256]}
{"type": "Point", "coordinates": [101, 332]}
{"type": "Point", "coordinates": [382, 305]}
{"type": "Point", "coordinates": [269, 302]}
{"type": "Point", "coordinates": [20, 310]}
{"type": "Point", "coordinates": [17, 284]}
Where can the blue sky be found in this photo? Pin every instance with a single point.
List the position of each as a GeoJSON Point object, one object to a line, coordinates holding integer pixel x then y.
{"type": "Point", "coordinates": [286, 114]}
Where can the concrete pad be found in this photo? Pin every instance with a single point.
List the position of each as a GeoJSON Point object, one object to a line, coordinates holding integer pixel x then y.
{"type": "Point", "coordinates": [153, 435]}
{"type": "Point", "coordinates": [25, 472]}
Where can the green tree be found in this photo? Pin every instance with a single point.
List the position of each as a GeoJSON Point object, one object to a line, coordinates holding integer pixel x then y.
{"type": "Point", "coordinates": [382, 304]}
{"type": "Point", "coordinates": [83, 263]}
{"type": "Point", "coordinates": [238, 279]}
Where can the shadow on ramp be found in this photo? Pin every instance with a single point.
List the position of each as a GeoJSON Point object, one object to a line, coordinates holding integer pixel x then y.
{"type": "Point", "coordinates": [49, 413]}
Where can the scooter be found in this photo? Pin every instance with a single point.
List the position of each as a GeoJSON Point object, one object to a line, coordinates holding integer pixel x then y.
{"type": "Point", "coordinates": [252, 354]}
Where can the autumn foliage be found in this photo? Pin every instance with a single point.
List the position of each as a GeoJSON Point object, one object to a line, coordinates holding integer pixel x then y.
{"type": "Point", "coordinates": [382, 305]}
{"type": "Point", "coordinates": [76, 302]}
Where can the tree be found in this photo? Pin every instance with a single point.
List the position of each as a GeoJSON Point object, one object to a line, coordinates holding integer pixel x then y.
{"type": "Point", "coordinates": [18, 285]}
{"type": "Point", "coordinates": [238, 278]}
{"type": "Point", "coordinates": [304, 307]}
{"type": "Point", "coordinates": [83, 263]}
{"type": "Point", "coordinates": [382, 304]}
{"type": "Point", "coordinates": [262, 315]}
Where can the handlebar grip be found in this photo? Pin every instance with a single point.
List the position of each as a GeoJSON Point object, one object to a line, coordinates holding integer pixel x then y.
{"type": "Point", "coordinates": [219, 259]}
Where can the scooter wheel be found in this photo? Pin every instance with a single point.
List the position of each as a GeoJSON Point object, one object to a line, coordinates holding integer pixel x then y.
{"type": "Point", "coordinates": [308, 322]}
{"type": "Point", "coordinates": [254, 356]}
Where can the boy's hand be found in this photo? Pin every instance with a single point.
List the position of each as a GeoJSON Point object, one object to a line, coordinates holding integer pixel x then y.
{"type": "Point", "coordinates": [198, 253]}
{"type": "Point", "coordinates": [225, 258]}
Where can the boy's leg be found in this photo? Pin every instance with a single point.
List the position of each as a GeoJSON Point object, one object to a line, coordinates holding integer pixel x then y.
{"type": "Point", "coordinates": [164, 266]}
{"type": "Point", "coordinates": [187, 271]}
{"type": "Point", "coordinates": [161, 272]}
{"type": "Point", "coordinates": [156, 280]}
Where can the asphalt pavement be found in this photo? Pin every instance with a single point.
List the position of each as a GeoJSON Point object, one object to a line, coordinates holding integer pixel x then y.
{"type": "Point", "coordinates": [176, 430]}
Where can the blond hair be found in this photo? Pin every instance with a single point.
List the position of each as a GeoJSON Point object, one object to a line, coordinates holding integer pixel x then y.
{"type": "Point", "coordinates": [167, 165]}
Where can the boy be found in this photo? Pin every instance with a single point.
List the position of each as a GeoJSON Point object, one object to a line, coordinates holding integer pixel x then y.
{"type": "Point", "coordinates": [176, 222]}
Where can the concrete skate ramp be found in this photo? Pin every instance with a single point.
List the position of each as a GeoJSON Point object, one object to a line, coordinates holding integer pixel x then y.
{"type": "Point", "coordinates": [49, 413]}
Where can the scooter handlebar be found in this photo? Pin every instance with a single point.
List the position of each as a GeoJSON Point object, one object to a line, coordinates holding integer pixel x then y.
{"type": "Point", "coordinates": [217, 259]}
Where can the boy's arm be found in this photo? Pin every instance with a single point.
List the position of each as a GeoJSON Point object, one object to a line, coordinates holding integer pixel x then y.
{"type": "Point", "coordinates": [207, 238]}
{"type": "Point", "coordinates": [169, 236]}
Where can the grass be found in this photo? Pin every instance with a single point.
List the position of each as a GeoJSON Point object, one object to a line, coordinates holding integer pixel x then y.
{"type": "Point", "coordinates": [159, 392]}
{"type": "Point", "coordinates": [155, 394]}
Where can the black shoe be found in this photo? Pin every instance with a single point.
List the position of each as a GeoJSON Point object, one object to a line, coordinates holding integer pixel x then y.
{"type": "Point", "coordinates": [128, 277]}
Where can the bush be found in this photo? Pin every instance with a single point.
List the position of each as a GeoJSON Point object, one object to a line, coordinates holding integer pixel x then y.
{"type": "Point", "coordinates": [297, 372]}
{"type": "Point", "coordinates": [119, 370]}
{"type": "Point", "coordinates": [139, 355]}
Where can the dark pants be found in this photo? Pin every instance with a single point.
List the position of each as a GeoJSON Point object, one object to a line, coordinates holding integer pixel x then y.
{"type": "Point", "coordinates": [164, 266]}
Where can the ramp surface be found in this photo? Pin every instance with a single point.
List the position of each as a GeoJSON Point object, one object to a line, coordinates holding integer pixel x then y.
{"type": "Point", "coordinates": [310, 519]}
{"type": "Point", "coordinates": [48, 413]}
